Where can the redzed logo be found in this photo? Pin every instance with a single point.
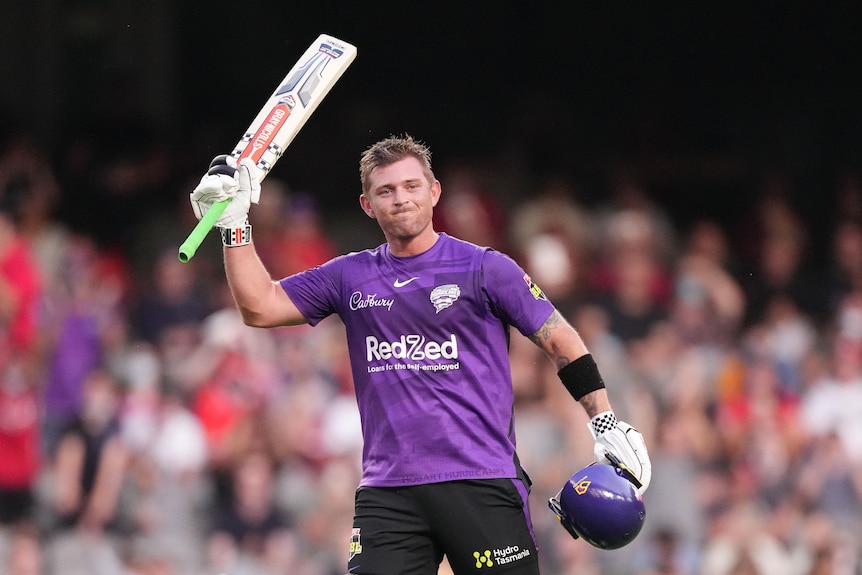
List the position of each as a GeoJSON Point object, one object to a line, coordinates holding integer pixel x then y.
{"type": "Point", "coordinates": [413, 347]}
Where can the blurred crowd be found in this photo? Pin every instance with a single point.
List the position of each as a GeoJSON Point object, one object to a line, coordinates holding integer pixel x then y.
{"type": "Point", "coordinates": [144, 430]}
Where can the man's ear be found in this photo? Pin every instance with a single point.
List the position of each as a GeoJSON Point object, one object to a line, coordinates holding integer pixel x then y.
{"type": "Point", "coordinates": [366, 206]}
{"type": "Point", "coordinates": [436, 191]}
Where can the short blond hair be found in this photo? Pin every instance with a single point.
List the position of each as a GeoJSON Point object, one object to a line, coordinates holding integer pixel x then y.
{"type": "Point", "coordinates": [391, 150]}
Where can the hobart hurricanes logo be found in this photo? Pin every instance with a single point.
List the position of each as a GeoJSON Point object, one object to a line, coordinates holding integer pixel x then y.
{"type": "Point", "coordinates": [444, 296]}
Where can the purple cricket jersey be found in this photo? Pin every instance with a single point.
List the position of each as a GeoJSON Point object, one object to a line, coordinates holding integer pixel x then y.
{"type": "Point", "coordinates": [428, 340]}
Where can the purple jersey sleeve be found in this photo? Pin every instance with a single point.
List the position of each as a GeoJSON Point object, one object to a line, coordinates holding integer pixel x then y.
{"type": "Point", "coordinates": [514, 296]}
{"type": "Point", "coordinates": [315, 291]}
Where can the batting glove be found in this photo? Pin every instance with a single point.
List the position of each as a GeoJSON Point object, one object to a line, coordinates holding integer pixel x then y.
{"type": "Point", "coordinates": [224, 180]}
{"type": "Point", "coordinates": [621, 445]}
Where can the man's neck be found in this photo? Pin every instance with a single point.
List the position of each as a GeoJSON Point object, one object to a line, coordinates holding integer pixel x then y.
{"type": "Point", "coordinates": [410, 247]}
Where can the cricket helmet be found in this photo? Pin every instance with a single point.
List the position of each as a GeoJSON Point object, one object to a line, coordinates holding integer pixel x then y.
{"type": "Point", "coordinates": [601, 506]}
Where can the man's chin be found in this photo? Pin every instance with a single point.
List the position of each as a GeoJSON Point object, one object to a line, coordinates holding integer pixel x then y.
{"type": "Point", "coordinates": [405, 228]}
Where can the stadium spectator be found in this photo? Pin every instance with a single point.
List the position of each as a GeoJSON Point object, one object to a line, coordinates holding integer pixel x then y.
{"type": "Point", "coordinates": [20, 456]}
{"type": "Point", "coordinates": [554, 235]}
{"type": "Point", "coordinates": [782, 265]}
{"type": "Point", "coordinates": [631, 279]}
{"type": "Point", "coordinates": [832, 405]}
{"type": "Point", "coordinates": [469, 210]}
{"type": "Point", "coordinates": [90, 463]}
{"type": "Point", "coordinates": [80, 315]}
{"type": "Point", "coordinates": [20, 280]}
{"type": "Point", "coordinates": [250, 517]}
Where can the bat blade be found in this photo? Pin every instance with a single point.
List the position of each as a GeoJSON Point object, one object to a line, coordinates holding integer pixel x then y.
{"type": "Point", "coordinates": [282, 116]}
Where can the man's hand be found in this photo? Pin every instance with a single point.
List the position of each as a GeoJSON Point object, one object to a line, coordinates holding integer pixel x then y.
{"type": "Point", "coordinates": [227, 180]}
{"type": "Point", "coordinates": [621, 445]}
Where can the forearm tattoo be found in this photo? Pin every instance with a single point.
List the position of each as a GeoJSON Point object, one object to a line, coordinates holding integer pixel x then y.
{"type": "Point", "coordinates": [589, 404]}
{"type": "Point", "coordinates": [544, 333]}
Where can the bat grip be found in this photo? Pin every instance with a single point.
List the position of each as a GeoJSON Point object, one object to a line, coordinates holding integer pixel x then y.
{"type": "Point", "coordinates": [197, 235]}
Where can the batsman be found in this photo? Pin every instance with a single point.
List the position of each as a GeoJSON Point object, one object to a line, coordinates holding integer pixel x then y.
{"type": "Point", "coordinates": [428, 319]}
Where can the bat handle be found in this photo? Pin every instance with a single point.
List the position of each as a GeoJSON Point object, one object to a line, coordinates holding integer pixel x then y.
{"type": "Point", "coordinates": [197, 235]}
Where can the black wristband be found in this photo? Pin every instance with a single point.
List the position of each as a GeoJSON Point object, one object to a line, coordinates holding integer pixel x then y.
{"type": "Point", "coordinates": [581, 376]}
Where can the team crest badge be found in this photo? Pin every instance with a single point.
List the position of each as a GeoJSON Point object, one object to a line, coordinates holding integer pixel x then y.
{"type": "Point", "coordinates": [582, 486]}
{"type": "Point", "coordinates": [444, 296]}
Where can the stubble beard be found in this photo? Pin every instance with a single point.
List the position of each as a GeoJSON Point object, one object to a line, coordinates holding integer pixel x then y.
{"type": "Point", "coordinates": [404, 231]}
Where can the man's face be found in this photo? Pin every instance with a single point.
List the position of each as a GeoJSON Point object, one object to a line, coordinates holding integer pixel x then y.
{"type": "Point", "coordinates": [401, 199]}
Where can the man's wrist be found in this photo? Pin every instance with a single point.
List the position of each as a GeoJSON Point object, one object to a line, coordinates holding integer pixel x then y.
{"type": "Point", "coordinates": [581, 377]}
{"type": "Point", "coordinates": [603, 422]}
{"type": "Point", "coordinates": [236, 236]}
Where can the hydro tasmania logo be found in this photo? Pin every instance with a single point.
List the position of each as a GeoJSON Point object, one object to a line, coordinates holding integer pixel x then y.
{"type": "Point", "coordinates": [510, 554]}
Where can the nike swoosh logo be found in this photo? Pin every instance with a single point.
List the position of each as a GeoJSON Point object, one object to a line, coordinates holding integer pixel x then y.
{"type": "Point", "coordinates": [400, 284]}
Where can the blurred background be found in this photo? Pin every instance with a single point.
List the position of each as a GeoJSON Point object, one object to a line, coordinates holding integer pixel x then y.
{"type": "Point", "coordinates": [683, 181]}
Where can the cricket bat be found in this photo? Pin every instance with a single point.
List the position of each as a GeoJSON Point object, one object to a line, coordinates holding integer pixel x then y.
{"type": "Point", "coordinates": [281, 118]}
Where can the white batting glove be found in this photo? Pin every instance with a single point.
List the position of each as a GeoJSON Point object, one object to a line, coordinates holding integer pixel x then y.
{"type": "Point", "coordinates": [227, 180]}
{"type": "Point", "coordinates": [219, 183]}
{"type": "Point", "coordinates": [621, 445]}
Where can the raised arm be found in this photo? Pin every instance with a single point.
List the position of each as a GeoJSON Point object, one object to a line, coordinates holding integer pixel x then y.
{"type": "Point", "coordinates": [260, 300]}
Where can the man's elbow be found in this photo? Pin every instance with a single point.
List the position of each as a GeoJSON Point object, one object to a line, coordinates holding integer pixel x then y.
{"type": "Point", "coordinates": [273, 309]}
{"type": "Point", "coordinates": [252, 318]}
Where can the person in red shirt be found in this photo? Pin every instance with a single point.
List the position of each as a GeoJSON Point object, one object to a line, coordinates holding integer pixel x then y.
{"type": "Point", "coordinates": [19, 420]}
{"type": "Point", "coordinates": [19, 277]}
{"type": "Point", "coordinates": [19, 446]}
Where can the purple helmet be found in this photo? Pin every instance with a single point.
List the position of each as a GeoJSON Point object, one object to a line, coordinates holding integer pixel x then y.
{"type": "Point", "coordinates": [599, 505]}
